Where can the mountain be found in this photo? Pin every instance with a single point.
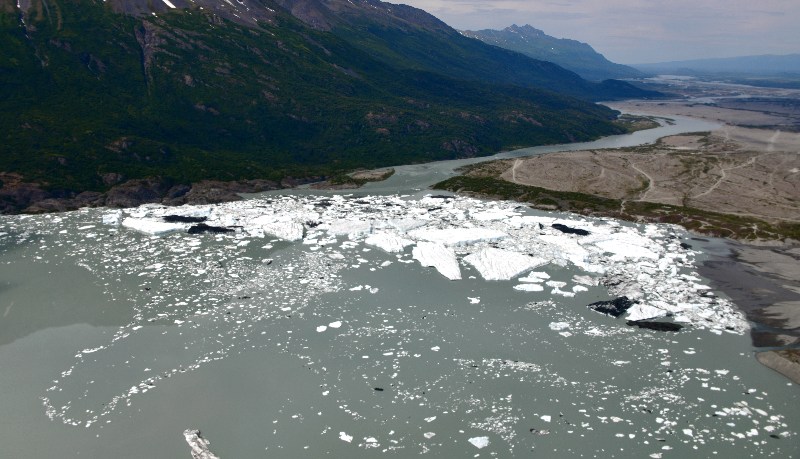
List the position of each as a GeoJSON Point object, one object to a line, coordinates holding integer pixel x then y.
{"type": "Point", "coordinates": [99, 93]}
{"type": "Point", "coordinates": [570, 54]}
{"type": "Point", "coordinates": [766, 65]}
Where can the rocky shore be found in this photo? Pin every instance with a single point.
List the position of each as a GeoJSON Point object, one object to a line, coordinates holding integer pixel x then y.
{"type": "Point", "coordinates": [19, 196]}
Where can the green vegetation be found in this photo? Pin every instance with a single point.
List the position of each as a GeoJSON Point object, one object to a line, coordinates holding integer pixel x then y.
{"type": "Point", "coordinates": [633, 123]}
{"type": "Point", "coordinates": [699, 221]}
{"type": "Point", "coordinates": [88, 94]}
{"type": "Point", "coordinates": [356, 180]}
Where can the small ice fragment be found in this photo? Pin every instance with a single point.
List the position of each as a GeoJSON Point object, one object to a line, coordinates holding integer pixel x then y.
{"type": "Point", "coordinates": [435, 348]}
{"type": "Point", "coordinates": [529, 287]}
{"type": "Point", "coordinates": [428, 435]}
{"type": "Point", "coordinates": [430, 419]}
{"type": "Point", "coordinates": [321, 328]}
{"type": "Point", "coordinates": [474, 300]}
{"type": "Point", "coordinates": [479, 442]}
{"type": "Point", "coordinates": [559, 326]}
{"type": "Point", "coordinates": [546, 418]}
{"type": "Point", "coordinates": [336, 324]}
{"type": "Point", "coordinates": [344, 437]}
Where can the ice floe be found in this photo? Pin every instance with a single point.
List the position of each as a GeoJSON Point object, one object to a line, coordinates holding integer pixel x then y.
{"type": "Point", "coordinates": [500, 264]}
{"type": "Point", "coordinates": [438, 256]}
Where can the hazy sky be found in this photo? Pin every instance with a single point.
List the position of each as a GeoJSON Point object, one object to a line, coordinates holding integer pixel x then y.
{"type": "Point", "coordinates": [640, 31]}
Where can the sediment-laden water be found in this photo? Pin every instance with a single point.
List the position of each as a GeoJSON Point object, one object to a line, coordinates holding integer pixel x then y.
{"type": "Point", "coordinates": [383, 323]}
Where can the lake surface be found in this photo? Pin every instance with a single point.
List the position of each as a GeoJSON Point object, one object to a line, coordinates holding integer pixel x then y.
{"type": "Point", "coordinates": [112, 342]}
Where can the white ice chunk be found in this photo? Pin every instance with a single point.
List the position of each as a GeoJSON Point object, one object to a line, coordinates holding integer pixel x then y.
{"type": "Point", "coordinates": [529, 287]}
{"type": "Point", "coordinates": [627, 246]}
{"type": "Point", "coordinates": [535, 277]}
{"type": "Point", "coordinates": [438, 256]}
{"type": "Point", "coordinates": [388, 242]}
{"type": "Point", "coordinates": [499, 264]}
{"type": "Point", "coordinates": [350, 228]}
{"type": "Point", "coordinates": [288, 231]}
{"type": "Point", "coordinates": [458, 236]}
{"type": "Point", "coordinates": [151, 226]}
{"type": "Point", "coordinates": [344, 437]}
{"type": "Point", "coordinates": [492, 215]}
{"type": "Point", "coordinates": [112, 218]}
{"type": "Point", "coordinates": [479, 442]}
{"type": "Point", "coordinates": [644, 312]}
{"type": "Point", "coordinates": [406, 224]}
{"type": "Point", "coordinates": [200, 446]}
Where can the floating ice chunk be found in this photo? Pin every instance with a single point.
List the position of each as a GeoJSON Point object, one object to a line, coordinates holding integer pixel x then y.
{"type": "Point", "coordinates": [151, 226]}
{"type": "Point", "coordinates": [286, 230]}
{"type": "Point", "coordinates": [429, 435]}
{"type": "Point", "coordinates": [588, 281]}
{"type": "Point", "coordinates": [438, 256]}
{"type": "Point", "coordinates": [529, 287]}
{"type": "Point", "coordinates": [479, 442]}
{"type": "Point", "coordinates": [406, 224]}
{"type": "Point", "coordinates": [499, 264]}
{"type": "Point", "coordinates": [344, 437]}
{"type": "Point", "coordinates": [644, 312]}
{"type": "Point", "coordinates": [350, 228]}
{"type": "Point", "coordinates": [458, 236]}
{"type": "Point", "coordinates": [336, 324]}
{"type": "Point", "coordinates": [558, 291]}
{"type": "Point", "coordinates": [555, 284]}
{"type": "Point", "coordinates": [388, 242]}
{"type": "Point", "coordinates": [546, 418]}
{"type": "Point", "coordinates": [579, 288]}
{"type": "Point", "coordinates": [557, 326]}
{"type": "Point", "coordinates": [321, 328]}
{"type": "Point", "coordinates": [492, 215]}
{"type": "Point", "coordinates": [627, 246]}
{"type": "Point", "coordinates": [112, 218]}
{"type": "Point", "coordinates": [474, 300]}
{"type": "Point", "coordinates": [200, 446]}
{"type": "Point", "coordinates": [535, 277]}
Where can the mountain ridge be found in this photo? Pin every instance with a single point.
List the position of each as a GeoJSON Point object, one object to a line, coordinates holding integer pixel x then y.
{"type": "Point", "coordinates": [765, 64]}
{"type": "Point", "coordinates": [188, 95]}
{"type": "Point", "coordinates": [573, 55]}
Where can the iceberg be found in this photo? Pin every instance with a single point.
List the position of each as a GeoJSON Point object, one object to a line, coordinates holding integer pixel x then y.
{"type": "Point", "coordinates": [199, 445]}
{"type": "Point", "coordinates": [151, 226]}
{"type": "Point", "coordinates": [500, 264]}
{"type": "Point", "coordinates": [288, 231]}
{"type": "Point", "coordinates": [388, 242]}
{"type": "Point", "coordinates": [643, 312]}
{"type": "Point", "coordinates": [458, 236]}
{"type": "Point", "coordinates": [438, 256]}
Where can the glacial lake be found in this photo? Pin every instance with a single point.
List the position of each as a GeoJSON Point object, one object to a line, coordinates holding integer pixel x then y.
{"type": "Point", "coordinates": [114, 341]}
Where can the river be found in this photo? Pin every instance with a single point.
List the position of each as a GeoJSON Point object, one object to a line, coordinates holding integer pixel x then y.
{"type": "Point", "coordinates": [112, 342]}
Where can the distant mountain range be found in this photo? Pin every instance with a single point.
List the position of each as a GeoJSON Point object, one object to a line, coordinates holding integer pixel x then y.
{"type": "Point", "coordinates": [767, 65]}
{"type": "Point", "coordinates": [570, 54]}
{"type": "Point", "coordinates": [96, 93]}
